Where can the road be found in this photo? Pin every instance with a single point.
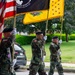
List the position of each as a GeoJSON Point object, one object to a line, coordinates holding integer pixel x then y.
{"type": "Point", "coordinates": [26, 73]}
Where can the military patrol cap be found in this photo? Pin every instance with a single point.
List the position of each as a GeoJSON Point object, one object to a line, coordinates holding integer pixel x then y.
{"type": "Point", "coordinates": [39, 32]}
{"type": "Point", "coordinates": [55, 37]}
{"type": "Point", "coordinates": [7, 30]}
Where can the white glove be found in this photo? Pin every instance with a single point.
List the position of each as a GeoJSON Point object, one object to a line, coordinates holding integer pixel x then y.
{"type": "Point", "coordinates": [60, 41]}
{"type": "Point", "coordinates": [44, 58]}
{"type": "Point", "coordinates": [45, 38]}
{"type": "Point", "coordinates": [14, 62]}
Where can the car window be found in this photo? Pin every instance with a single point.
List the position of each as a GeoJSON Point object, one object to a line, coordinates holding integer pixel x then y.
{"type": "Point", "coordinates": [16, 47]}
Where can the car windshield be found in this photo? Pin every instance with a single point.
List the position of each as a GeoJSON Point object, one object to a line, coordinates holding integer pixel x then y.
{"type": "Point", "coordinates": [17, 47]}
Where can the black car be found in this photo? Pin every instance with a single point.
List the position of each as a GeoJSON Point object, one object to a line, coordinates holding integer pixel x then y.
{"type": "Point", "coordinates": [20, 55]}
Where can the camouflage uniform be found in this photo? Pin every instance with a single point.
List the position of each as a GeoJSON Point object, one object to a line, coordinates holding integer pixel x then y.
{"type": "Point", "coordinates": [37, 64]}
{"type": "Point", "coordinates": [55, 59]}
{"type": "Point", "coordinates": [6, 56]}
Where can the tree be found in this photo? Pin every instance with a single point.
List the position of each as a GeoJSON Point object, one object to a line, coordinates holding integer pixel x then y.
{"type": "Point", "coordinates": [9, 22]}
{"type": "Point", "coordinates": [69, 17]}
{"type": "Point", "coordinates": [19, 24]}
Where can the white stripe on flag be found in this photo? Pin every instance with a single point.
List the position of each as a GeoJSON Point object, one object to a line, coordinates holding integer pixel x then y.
{"type": "Point", "coordinates": [1, 10]}
{"type": "Point", "coordinates": [10, 9]}
{"type": "Point", "coordinates": [1, 28]}
{"type": "Point", "coordinates": [10, 0]}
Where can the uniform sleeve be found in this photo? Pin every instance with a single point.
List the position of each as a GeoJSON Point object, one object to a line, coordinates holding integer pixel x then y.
{"type": "Point", "coordinates": [52, 49]}
{"type": "Point", "coordinates": [35, 52]}
{"type": "Point", "coordinates": [43, 47]}
{"type": "Point", "coordinates": [44, 52]}
{"type": "Point", "coordinates": [34, 47]}
{"type": "Point", "coordinates": [5, 43]}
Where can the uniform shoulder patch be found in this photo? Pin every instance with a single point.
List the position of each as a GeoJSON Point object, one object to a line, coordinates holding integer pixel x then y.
{"type": "Point", "coordinates": [34, 40]}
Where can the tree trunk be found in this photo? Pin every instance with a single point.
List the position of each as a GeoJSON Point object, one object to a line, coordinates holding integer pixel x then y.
{"type": "Point", "coordinates": [67, 37]}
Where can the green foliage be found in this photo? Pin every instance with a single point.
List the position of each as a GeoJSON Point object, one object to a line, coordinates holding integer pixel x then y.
{"type": "Point", "coordinates": [24, 40]}
{"type": "Point", "coordinates": [49, 37]}
{"type": "Point", "coordinates": [63, 36]}
{"type": "Point", "coordinates": [69, 23]}
{"type": "Point", "coordinates": [72, 37]}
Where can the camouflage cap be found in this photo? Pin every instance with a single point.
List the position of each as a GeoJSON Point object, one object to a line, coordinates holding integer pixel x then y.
{"type": "Point", "coordinates": [7, 30]}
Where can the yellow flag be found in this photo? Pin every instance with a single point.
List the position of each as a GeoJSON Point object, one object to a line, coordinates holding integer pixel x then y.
{"type": "Point", "coordinates": [56, 10]}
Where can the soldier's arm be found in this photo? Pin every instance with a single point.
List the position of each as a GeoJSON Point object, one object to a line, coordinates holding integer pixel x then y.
{"type": "Point", "coordinates": [52, 49]}
{"type": "Point", "coordinates": [6, 42]}
{"type": "Point", "coordinates": [35, 51]}
{"type": "Point", "coordinates": [35, 47]}
{"type": "Point", "coordinates": [44, 52]}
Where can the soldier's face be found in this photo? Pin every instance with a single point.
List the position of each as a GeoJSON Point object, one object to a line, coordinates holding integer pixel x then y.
{"type": "Point", "coordinates": [55, 41]}
{"type": "Point", "coordinates": [6, 34]}
{"type": "Point", "coordinates": [40, 37]}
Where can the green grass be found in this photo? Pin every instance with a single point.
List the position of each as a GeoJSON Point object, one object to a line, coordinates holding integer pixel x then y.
{"type": "Point", "coordinates": [67, 48]}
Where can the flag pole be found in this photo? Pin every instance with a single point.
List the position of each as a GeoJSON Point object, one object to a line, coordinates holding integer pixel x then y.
{"type": "Point", "coordinates": [61, 19]}
{"type": "Point", "coordinates": [47, 22]}
{"type": "Point", "coordinates": [14, 30]}
{"type": "Point", "coordinates": [14, 27]}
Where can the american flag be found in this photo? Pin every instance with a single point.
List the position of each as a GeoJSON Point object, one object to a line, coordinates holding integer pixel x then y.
{"type": "Point", "coordinates": [7, 9]}
{"type": "Point", "coordinates": [1, 29]}
{"type": "Point", "coordinates": [10, 8]}
{"type": "Point", "coordinates": [2, 8]}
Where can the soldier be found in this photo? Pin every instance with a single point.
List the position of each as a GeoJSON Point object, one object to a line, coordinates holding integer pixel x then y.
{"type": "Point", "coordinates": [37, 63]}
{"type": "Point", "coordinates": [6, 52]}
{"type": "Point", "coordinates": [55, 56]}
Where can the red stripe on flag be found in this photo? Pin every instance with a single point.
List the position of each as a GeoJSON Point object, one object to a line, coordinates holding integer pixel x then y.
{"type": "Point", "coordinates": [2, 11]}
{"type": "Point", "coordinates": [1, 4]}
{"type": "Point", "coordinates": [1, 30]}
{"type": "Point", "coordinates": [0, 36]}
{"type": "Point", "coordinates": [10, 14]}
{"type": "Point", "coordinates": [1, 19]}
{"type": "Point", "coordinates": [10, 4]}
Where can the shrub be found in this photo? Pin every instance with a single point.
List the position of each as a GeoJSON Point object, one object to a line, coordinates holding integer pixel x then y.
{"type": "Point", "coordinates": [72, 37]}
{"type": "Point", "coordinates": [63, 36]}
{"type": "Point", "coordinates": [24, 40]}
{"type": "Point", "coordinates": [49, 37]}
